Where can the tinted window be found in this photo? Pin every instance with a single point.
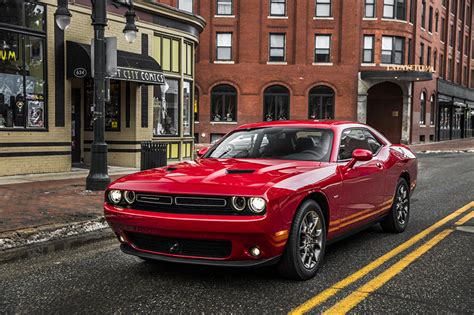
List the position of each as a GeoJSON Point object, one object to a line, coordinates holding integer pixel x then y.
{"type": "Point", "coordinates": [352, 139]}
{"type": "Point", "coordinates": [303, 144]}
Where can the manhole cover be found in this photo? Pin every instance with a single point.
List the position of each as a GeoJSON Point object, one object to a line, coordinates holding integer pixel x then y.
{"type": "Point", "coordinates": [466, 228]}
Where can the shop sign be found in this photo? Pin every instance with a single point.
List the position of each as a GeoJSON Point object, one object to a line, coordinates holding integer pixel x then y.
{"type": "Point", "coordinates": [80, 72]}
{"type": "Point", "coordinates": [137, 75]}
{"type": "Point", "coordinates": [7, 55]}
{"type": "Point", "coordinates": [420, 68]}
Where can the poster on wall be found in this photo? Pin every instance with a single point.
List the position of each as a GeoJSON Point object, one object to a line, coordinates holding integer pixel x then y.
{"type": "Point", "coordinates": [36, 113]}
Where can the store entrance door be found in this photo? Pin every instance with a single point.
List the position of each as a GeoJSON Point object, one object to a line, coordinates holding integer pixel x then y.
{"type": "Point", "coordinates": [76, 126]}
{"type": "Point", "coordinates": [385, 110]}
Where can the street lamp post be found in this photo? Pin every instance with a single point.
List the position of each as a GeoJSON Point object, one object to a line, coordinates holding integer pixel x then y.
{"type": "Point", "coordinates": [98, 177]}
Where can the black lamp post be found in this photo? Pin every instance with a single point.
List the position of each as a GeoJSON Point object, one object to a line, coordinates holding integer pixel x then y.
{"type": "Point", "coordinates": [98, 177]}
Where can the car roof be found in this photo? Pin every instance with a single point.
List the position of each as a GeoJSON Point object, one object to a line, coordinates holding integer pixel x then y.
{"type": "Point", "coordinates": [302, 123]}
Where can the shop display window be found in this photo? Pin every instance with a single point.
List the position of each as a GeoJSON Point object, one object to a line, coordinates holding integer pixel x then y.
{"type": "Point", "coordinates": [112, 106]}
{"type": "Point", "coordinates": [166, 109]}
{"type": "Point", "coordinates": [276, 103]}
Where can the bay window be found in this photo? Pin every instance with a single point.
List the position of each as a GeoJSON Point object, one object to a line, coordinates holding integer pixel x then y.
{"type": "Point", "coordinates": [166, 108]}
{"type": "Point", "coordinates": [393, 50]}
{"type": "Point", "coordinates": [394, 9]}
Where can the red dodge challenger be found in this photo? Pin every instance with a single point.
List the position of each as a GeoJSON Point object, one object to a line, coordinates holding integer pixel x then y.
{"type": "Point", "coordinates": [266, 193]}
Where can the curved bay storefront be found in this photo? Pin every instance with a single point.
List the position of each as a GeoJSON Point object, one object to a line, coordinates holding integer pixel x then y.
{"type": "Point", "coordinates": [46, 89]}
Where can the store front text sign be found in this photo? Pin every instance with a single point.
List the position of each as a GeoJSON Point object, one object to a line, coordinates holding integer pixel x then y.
{"type": "Point", "coordinates": [7, 55]}
{"type": "Point", "coordinates": [421, 68]}
{"type": "Point", "coordinates": [137, 75]}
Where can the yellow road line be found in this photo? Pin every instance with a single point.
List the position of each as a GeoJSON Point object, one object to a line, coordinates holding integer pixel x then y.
{"type": "Point", "coordinates": [466, 218]}
{"type": "Point", "coordinates": [328, 293]}
{"type": "Point", "coordinates": [362, 292]}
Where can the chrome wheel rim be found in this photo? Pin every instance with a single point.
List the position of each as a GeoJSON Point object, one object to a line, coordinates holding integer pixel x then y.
{"type": "Point", "coordinates": [402, 205]}
{"type": "Point", "coordinates": [311, 239]}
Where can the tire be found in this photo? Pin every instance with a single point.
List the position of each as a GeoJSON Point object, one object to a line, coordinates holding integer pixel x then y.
{"type": "Point", "coordinates": [397, 219]}
{"type": "Point", "coordinates": [291, 264]}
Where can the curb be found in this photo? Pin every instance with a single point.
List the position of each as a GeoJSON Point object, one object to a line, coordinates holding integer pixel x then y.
{"type": "Point", "coordinates": [33, 242]}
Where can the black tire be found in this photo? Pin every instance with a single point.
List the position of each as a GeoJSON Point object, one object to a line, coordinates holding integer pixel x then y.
{"type": "Point", "coordinates": [397, 220]}
{"type": "Point", "coordinates": [291, 264]}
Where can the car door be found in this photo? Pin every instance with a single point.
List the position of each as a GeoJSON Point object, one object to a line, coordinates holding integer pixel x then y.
{"type": "Point", "coordinates": [363, 184]}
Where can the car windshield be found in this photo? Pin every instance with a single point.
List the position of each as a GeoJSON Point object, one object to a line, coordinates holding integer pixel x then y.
{"type": "Point", "coordinates": [303, 144]}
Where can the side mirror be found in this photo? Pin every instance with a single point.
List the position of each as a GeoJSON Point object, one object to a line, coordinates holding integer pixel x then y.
{"type": "Point", "coordinates": [359, 155]}
{"type": "Point", "coordinates": [202, 151]}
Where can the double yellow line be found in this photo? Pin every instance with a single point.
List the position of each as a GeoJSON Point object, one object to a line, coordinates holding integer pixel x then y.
{"type": "Point", "coordinates": [362, 292]}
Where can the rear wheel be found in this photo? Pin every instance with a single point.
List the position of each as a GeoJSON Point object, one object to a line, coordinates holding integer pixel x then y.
{"type": "Point", "coordinates": [397, 219]}
{"type": "Point", "coordinates": [304, 251]}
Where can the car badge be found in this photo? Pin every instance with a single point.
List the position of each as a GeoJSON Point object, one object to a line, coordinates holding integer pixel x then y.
{"type": "Point", "coordinates": [174, 248]}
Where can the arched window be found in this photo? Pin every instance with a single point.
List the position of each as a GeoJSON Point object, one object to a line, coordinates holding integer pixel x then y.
{"type": "Point", "coordinates": [224, 103]}
{"type": "Point", "coordinates": [432, 109]}
{"type": "Point", "coordinates": [276, 103]}
{"type": "Point", "coordinates": [321, 103]}
{"type": "Point", "coordinates": [422, 108]}
{"type": "Point", "coordinates": [436, 21]}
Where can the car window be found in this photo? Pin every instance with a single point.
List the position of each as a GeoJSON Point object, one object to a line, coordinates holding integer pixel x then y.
{"type": "Point", "coordinates": [374, 144]}
{"type": "Point", "coordinates": [304, 144]}
{"type": "Point", "coordinates": [352, 139]}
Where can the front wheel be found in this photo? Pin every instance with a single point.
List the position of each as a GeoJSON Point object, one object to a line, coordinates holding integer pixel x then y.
{"type": "Point", "coordinates": [397, 219]}
{"type": "Point", "coordinates": [304, 250]}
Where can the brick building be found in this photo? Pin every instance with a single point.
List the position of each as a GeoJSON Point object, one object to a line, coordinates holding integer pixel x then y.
{"type": "Point", "coordinates": [46, 90]}
{"type": "Point", "coordinates": [287, 59]}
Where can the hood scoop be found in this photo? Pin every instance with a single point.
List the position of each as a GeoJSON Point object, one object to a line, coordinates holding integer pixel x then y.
{"type": "Point", "coordinates": [240, 171]}
{"type": "Point", "coordinates": [170, 169]}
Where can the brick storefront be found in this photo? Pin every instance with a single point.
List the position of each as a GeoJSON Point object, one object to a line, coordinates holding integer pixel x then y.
{"type": "Point", "coordinates": [353, 82]}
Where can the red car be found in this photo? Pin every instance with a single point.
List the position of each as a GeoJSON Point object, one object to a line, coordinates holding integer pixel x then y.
{"type": "Point", "coordinates": [273, 192]}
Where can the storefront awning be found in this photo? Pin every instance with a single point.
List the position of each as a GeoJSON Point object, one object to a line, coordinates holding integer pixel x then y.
{"type": "Point", "coordinates": [412, 76]}
{"type": "Point", "coordinates": [130, 67]}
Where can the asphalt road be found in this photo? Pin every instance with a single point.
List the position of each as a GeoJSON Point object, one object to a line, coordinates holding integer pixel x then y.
{"type": "Point", "coordinates": [98, 278]}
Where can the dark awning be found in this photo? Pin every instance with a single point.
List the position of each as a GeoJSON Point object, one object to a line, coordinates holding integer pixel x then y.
{"type": "Point", "coordinates": [130, 67]}
{"type": "Point", "coordinates": [411, 76]}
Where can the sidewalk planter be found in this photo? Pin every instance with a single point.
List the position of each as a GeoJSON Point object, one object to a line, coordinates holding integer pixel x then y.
{"type": "Point", "coordinates": [153, 154]}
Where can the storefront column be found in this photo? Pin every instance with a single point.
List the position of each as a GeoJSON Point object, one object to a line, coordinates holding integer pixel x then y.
{"type": "Point", "coordinates": [362, 89]}
{"type": "Point", "coordinates": [406, 114]}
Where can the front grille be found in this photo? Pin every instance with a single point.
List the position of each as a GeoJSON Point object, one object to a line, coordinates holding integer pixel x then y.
{"type": "Point", "coordinates": [185, 204]}
{"type": "Point", "coordinates": [179, 246]}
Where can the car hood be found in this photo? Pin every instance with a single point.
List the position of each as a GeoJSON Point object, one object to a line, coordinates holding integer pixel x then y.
{"type": "Point", "coordinates": [217, 176]}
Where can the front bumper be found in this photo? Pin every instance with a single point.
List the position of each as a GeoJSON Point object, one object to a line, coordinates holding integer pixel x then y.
{"type": "Point", "coordinates": [266, 232]}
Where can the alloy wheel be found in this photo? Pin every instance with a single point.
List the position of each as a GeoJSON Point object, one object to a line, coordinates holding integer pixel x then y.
{"type": "Point", "coordinates": [311, 239]}
{"type": "Point", "coordinates": [402, 204]}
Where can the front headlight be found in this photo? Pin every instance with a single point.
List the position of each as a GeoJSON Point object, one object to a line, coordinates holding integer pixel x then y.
{"type": "Point", "coordinates": [257, 204]}
{"type": "Point", "coordinates": [115, 196]}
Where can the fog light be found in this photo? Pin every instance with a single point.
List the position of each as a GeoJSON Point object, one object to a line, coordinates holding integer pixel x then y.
{"type": "Point", "coordinates": [238, 203]}
{"type": "Point", "coordinates": [129, 197]}
{"type": "Point", "coordinates": [255, 251]}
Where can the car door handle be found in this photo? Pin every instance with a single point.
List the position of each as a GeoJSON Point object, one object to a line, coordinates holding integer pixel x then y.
{"type": "Point", "coordinates": [379, 165]}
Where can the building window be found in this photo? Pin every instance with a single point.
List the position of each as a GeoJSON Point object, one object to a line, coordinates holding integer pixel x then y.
{"type": "Point", "coordinates": [394, 9]}
{"type": "Point", "coordinates": [323, 8]}
{"type": "Point", "coordinates": [423, 14]}
{"type": "Point", "coordinates": [369, 9]}
{"type": "Point", "coordinates": [454, 6]}
{"type": "Point", "coordinates": [166, 51]}
{"type": "Point", "coordinates": [321, 103]}
{"type": "Point", "coordinates": [22, 66]}
{"type": "Point", "coordinates": [458, 72]}
{"type": "Point", "coordinates": [450, 69]}
{"type": "Point", "coordinates": [432, 110]}
{"type": "Point", "coordinates": [322, 51]}
{"type": "Point", "coordinates": [216, 137]}
{"type": "Point", "coordinates": [436, 21]}
{"type": "Point", "coordinates": [276, 103]}
{"type": "Point", "coordinates": [452, 35]}
{"type": "Point", "coordinates": [435, 60]}
{"type": "Point", "coordinates": [224, 46]}
{"type": "Point", "coordinates": [466, 45]}
{"type": "Point", "coordinates": [188, 60]}
{"type": "Point", "coordinates": [393, 50]}
{"type": "Point", "coordinates": [112, 107]}
{"type": "Point", "coordinates": [443, 29]}
{"type": "Point", "coordinates": [187, 108]}
{"type": "Point", "coordinates": [196, 105]}
{"type": "Point", "coordinates": [422, 108]}
{"type": "Point", "coordinates": [465, 76]}
{"type": "Point", "coordinates": [428, 56]}
{"type": "Point", "coordinates": [368, 51]}
{"type": "Point", "coordinates": [459, 40]}
{"type": "Point", "coordinates": [410, 51]}
{"type": "Point", "coordinates": [185, 5]}
{"type": "Point", "coordinates": [166, 109]}
{"type": "Point", "coordinates": [442, 65]}
{"type": "Point", "coordinates": [430, 20]}
{"type": "Point", "coordinates": [412, 11]}
{"type": "Point", "coordinates": [278, 7]}
{"type": "Point", "coordinates": [224, 103]}
{"type": "Point", "coordinates": [422, 53]}
{"type": "Point", "coordinates": [224, 7]}
{"type": "Point", "coordinates": [277, 48]}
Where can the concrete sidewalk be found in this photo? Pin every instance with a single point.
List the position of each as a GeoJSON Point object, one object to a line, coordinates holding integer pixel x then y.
{"type": "Point", "coordinates": [460, 145]}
